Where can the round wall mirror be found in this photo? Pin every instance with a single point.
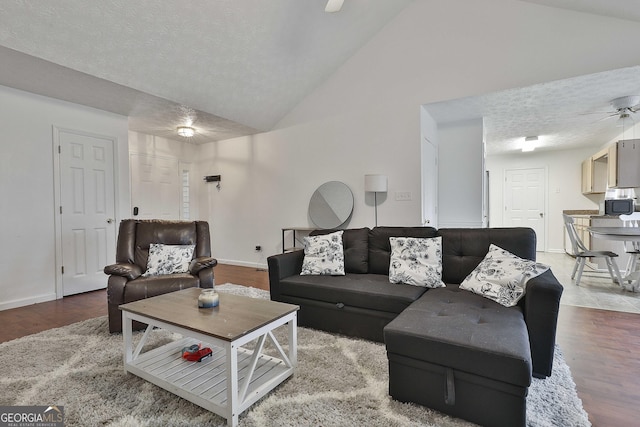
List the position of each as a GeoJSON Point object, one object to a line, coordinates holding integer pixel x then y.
{"type": "Point", "coordinates": [331, 205]}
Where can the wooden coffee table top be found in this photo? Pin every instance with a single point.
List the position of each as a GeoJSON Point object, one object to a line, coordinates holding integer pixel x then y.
{"type": "Point", "coordinates": [234, 317]}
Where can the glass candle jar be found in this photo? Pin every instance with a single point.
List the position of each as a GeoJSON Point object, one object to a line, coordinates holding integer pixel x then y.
{"type": "Point", "coordinates": [208, 298]}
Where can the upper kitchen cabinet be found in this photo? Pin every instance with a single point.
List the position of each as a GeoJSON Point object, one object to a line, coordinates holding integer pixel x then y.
{"type": "Point", "coordinates": [623, 164]}
{"type": "Point", "coordinates": [595, 173]}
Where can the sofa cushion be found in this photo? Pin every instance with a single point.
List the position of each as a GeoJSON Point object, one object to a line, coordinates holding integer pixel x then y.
{"type": "Point", "coordinates": [466, 332]}
{"type": "Point", "coordinates": [356, 248]}
{"type": "Point", "coordinates": [416, 261]}
{"type": "Point", "coordinates": [464, 248]}
{"type": "Point", "coordinates": [380, 248]}
{"type": "Point", "coordinates": [369, 291]}
{"type": "Point", "coordinates": [502, 277]}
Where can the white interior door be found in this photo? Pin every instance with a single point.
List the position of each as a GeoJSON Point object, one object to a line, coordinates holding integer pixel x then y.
{"type": "Point", "coordinates": [156, 191]}
{"type": "Point", "coordinates": [87, 211]}
{"type": "Point", "coordinates": [525, 194]}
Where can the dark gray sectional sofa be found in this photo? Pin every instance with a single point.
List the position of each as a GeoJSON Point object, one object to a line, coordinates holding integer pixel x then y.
{"type": "Point", "coordinates": [448, 348]}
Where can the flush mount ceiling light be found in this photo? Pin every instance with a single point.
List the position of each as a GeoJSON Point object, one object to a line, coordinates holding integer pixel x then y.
{"type": "Point", "coordinates": [530, 143]}
{"type": "Point", "coordinates": [186, 131]}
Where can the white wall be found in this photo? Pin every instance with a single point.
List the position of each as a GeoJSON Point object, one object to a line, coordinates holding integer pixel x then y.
{"type": "Point", "coordinates": [564, 169]}
{"type": "Point", "coordinates": [366, 117]}
{"type": "Point", "coordinates": [27, 228]}
{"type": "Point", "coordinates": [268, 179]}
{"type": "Point", "coordinates": [460, 174]}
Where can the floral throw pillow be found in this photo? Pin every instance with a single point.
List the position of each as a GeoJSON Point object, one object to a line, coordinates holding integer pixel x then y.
{"type": "Point", "coordinates": [502, 276]}
{"type": "Point", "coordinates": [323, 255]}
{"type": "Point", "coordinates": [416, 261]}
{"type": "Point", "coordinates": [168, 259]}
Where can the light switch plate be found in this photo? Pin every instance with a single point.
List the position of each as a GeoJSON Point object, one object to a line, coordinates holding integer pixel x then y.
{"type": "Point", "coordinates": [403, 196]}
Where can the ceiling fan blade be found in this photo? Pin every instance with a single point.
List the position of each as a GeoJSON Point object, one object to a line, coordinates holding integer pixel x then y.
{"type": "Point", "coordinates": [333, 6]}
{"type": "Point", "coordinates": [597, 112]}
{"type": "Point", "coordinates": [610, 116]}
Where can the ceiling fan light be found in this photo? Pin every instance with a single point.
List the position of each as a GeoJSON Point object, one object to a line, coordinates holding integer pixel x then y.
{"type": "Point", "coordinates": [186, 131]}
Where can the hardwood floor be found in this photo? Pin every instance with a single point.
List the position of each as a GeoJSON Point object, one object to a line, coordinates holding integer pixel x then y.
{"type": "Point", "coordinates": [601, 347]}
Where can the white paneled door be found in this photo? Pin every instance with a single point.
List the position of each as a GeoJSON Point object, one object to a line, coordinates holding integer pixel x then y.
{"type": "Point", "coordinates": [524, 198]}
{"type": "Point", "coordinates": [87, 211]}
{"type": "Point", "coordinates": [155, 187]}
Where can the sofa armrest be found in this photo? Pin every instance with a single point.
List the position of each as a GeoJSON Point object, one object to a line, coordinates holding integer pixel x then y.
{"type": "Point", "coordinates": [201, 263]}
{"type": "Point", "coordinates": [541, 306]}
{"type": "Point", "coordinates": [282, 266]}
{"type": "Point", "coordinates": [130, 271]}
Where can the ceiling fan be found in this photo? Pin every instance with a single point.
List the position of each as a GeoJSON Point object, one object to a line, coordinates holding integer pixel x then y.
{"type": "Point", "coordinates": [333, 6]}
{"type": "Point", "coordinates": [624, 107]}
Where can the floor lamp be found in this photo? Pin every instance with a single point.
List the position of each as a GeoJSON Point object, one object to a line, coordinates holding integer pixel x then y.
{"type": "Point", "coordinates": [375, 184]}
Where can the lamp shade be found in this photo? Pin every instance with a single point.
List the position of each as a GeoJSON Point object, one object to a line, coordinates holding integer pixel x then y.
{"type": "Point", "coordinates": [375, 183]}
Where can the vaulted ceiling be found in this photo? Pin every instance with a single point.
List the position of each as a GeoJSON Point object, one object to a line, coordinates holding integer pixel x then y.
{"type": "Point", "coordinates": [235, 66]}
{"type": "Point", "coordinates": [229, 67]}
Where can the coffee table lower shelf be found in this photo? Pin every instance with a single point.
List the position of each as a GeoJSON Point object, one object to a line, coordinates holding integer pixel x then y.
{"type": "Point", "coordinates": [205, 383]}
{"type": "Point", "coordinates": [228, 382]}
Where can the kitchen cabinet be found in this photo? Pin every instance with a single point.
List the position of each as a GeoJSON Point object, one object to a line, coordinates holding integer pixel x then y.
{"type": "Point", "coordinates": [587, 176]}
{"type": "Point", "coordinates": [623, 164]}
{"type": "Point", "coordinates": [595, 173]}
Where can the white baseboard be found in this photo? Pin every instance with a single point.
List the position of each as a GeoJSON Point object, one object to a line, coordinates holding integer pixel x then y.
{"type": "Point", "coordinates": [261, 266]}
{"type": "Point", "coordinates": [555, 251]}
{"type": "Point", "coordinates": [27, 301]}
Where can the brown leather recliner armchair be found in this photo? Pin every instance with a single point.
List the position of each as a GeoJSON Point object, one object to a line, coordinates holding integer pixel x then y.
{"type": "Point", "coordinates": [126, 282]}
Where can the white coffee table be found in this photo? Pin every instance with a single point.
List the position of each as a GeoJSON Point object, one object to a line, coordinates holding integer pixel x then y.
{"type": "Point", "coordinates": [234, 377]}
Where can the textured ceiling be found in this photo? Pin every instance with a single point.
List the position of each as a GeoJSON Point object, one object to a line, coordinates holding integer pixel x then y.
{"type": "Point", "coordinates": [623, 9]}
{"type": "Point", "coordinates": [247, 61]}
{"type": "Point", "coordinates": [564, 114]}
{"type": "Point", "coordinates": [236, 67]}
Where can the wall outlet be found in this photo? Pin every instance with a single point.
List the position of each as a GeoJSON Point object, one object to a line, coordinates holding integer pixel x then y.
{"type": "Point", "coordinates": [258, 248]}
{"type": "Point", "coordinates": [403, 196]}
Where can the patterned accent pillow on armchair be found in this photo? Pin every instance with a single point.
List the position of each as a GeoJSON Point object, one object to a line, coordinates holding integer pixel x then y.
{"type": "Point", "coordinates": [168, 259]}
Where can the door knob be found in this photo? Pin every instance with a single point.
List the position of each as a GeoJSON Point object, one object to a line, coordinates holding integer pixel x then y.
{"type": "Point", "coordinates": [541, 215]}
{"type": "Point", "coordinates": [109, 220]}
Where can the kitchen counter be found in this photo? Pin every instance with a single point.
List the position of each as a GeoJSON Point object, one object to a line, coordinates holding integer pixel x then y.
{"type": "Point", "coordinates": [588, 213]}
{"type": "Point", "coordinates": [585, 212]}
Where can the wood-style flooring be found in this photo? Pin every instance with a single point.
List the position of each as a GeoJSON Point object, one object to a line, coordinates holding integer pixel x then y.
{"type": "Point", "coordinates": [601, 347]}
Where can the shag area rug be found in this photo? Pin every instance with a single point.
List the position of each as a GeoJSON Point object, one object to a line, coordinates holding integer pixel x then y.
{"type": "Point", "coordinates": [339, 381]}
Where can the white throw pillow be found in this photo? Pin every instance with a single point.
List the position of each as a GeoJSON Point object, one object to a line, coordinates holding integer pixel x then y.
{"type": "Point", "coordinates": [168, 259]}
{"type": "Point", "coordinates": [416, 261]}
{"type": "Point", "coordinates": [502, 276]}
{"type": "Point", "coordinates": [323, 255]}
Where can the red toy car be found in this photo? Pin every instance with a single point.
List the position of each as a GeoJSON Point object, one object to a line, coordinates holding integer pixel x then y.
{"type": "Point", "coordinates": [197, 355]}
